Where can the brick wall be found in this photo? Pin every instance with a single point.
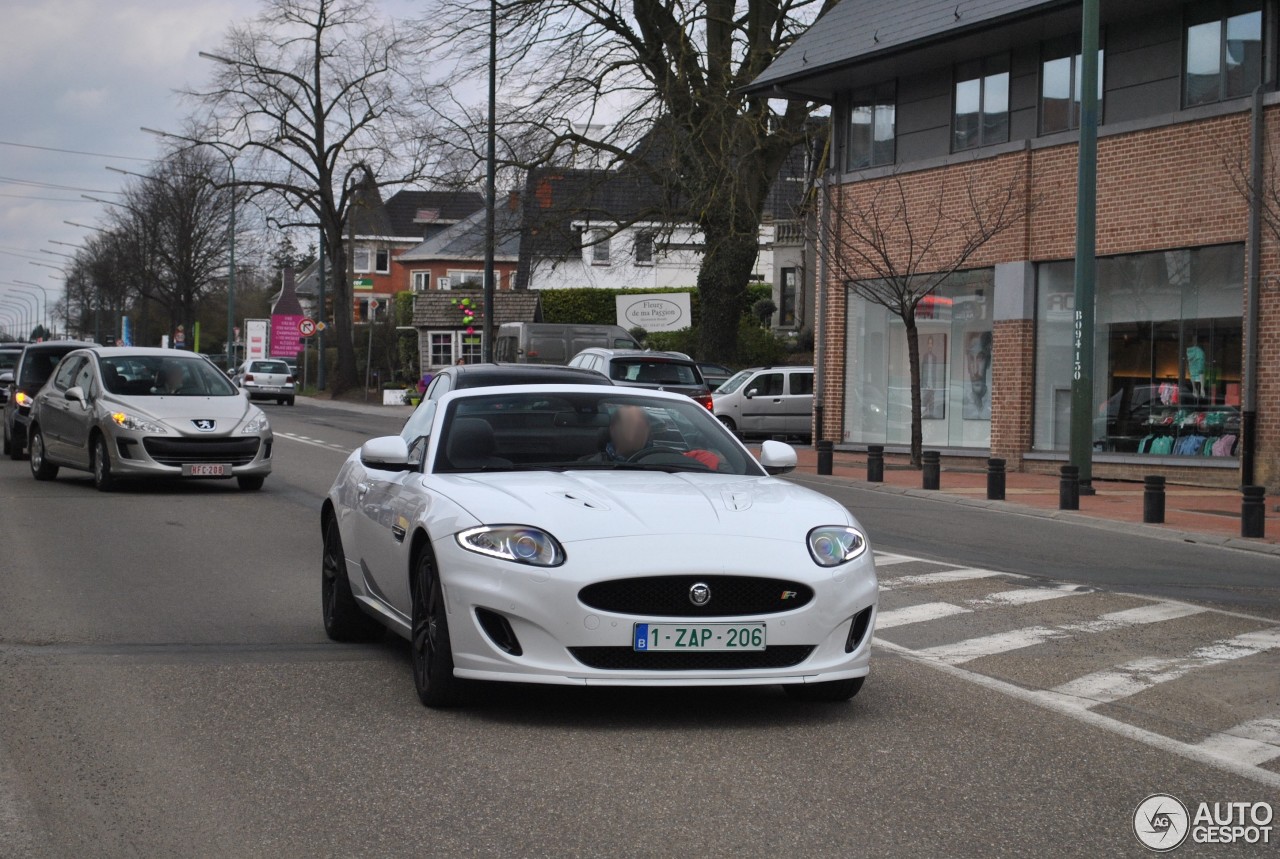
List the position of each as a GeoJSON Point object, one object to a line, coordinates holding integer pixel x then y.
{"type": "Point", "coordinates": [1161, 188]}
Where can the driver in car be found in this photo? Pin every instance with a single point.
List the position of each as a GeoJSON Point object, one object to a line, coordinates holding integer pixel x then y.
{"type": "Point", "coordinates": [630, 432]}
{"type": "Point", "coordinates": [171, 379]}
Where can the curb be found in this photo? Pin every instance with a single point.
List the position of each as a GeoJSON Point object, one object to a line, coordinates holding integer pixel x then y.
{"type": "Point", "coordinates": [1067, 516]}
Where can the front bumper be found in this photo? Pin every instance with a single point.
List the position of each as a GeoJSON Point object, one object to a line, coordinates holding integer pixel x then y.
{"type": "Point", "coordinates": [137, 454]}
{"type": "Point", "coordinates": [551, 623]}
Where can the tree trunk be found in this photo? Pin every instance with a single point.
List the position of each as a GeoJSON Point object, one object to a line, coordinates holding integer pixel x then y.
{"type": "Point", "coordinates": [913, 361]}
{"type": "Point", "coordinates": [722, 289]}
{"type": "Point", "coordinates": [345, 375]}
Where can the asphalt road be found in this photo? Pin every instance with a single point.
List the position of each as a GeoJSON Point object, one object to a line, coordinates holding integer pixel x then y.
{"type": "Point", "coordinates": [166, 689]}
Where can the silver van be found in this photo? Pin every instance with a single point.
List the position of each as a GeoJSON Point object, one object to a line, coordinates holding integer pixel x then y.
{"type": "Point", "coordinates": [554, 343]}
{"type": "Point", "coordinates": [767, 401]}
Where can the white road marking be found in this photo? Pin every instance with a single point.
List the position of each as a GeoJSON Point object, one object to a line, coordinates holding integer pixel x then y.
{"type": "Point", "coordinates": [1063, 706]}
{"type": "Point", "coordinates": [917, 614]}
{"type": "Point", "coordinates": [1253, 742]}
{"type": "Point", "coordinates": [301, 439]}
{"type": "Point", "coordinates": [939, 578]}
{"type": "Point", "coordinates": [1003, 642]}
{"type": "Point", "coordinates": [888, 559]}
{"type": "Point", "coordinates": [1139, 675]}
{"type": "Point", "coordinates": [1024, 596]}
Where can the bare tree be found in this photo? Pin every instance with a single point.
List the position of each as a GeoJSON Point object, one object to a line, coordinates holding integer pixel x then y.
{"type": "Point", "coordinates": [173, 226]}
{"type": "Point", "coordinates": [893, 241]}
{"type": "Point", "coordinates": [654, 86]}
{"type": "Point", "coordinates": [309, 92]}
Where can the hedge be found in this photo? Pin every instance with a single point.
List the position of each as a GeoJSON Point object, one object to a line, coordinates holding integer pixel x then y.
{"type": "Point", "coordinates": [590, 306]}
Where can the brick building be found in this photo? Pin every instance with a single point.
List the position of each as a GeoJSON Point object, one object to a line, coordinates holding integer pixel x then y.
{"type": "Point", "coordinates": [941, 111]}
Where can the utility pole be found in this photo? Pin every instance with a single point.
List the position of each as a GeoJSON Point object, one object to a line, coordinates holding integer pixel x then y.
{"type": "Point", "coordinates": [1086, 254]}
{"type": "Point", "coordinates": [490, 182]}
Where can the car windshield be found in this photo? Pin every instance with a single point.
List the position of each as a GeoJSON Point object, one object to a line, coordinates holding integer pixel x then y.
{"type": "Point", "coordinates": [155, 375]}
{"type": "Point", "coordinates": [586, 431]}
{"type": "Point", "coordinates": [269, 367]}
{"type": "Point", "coordinates": [734, 382]}
{"type": "Point", "coordinates": [653, 372]}
{"type": "Point", "coordinates": [8, 360]}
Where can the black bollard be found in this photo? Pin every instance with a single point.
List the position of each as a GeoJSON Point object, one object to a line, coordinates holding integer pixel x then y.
{"type": "Point", "coordinates": [1069, 488]}
{"type": "Point", "coordinates": [875, 463]}
{"type": "Point", "coordinates": [1253, 511]}
{"type": "Point", "coordinates": [932, 461]}
{"type": "Point", "coordinates": [1153, 499]}
{"type": "Point", "coordinates": [995, 479]}
{"type": "Point", "coordinates": [824, 456]}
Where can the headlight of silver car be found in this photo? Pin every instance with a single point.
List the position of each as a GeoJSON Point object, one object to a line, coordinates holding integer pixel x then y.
{"type": "Point", "coordinates": [133, 422]}
{"type": "Point", "coordinates": [835, 544]}
{"type": "Point", "coordinates": [255, 425]}
{"type": "Point", "coordinates": [518, 543]}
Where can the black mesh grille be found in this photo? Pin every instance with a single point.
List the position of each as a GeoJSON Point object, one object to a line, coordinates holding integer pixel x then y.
{"type": "Point", "coordinates": [668, 596]}
{"type": "Point", "coordinates": [170, 451]}
{"type": "Point", "coordinates": [626, 659]}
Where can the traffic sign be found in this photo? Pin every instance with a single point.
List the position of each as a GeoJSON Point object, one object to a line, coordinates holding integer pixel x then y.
{"type": "Point", "coordinates": [306, 327]}
{"type": "Point", "coordinates": [373, 304]}
{"type": "Point", "coordinates": [320, 326]}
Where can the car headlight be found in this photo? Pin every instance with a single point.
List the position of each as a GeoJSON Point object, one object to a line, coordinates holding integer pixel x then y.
{"type": "Point", "coordinates": [518, 543]}
{"type": "Point", "coordinates": [835, 544]}
{"type": "Point", "coordinates": [256, 425]}
{"type": "Point", "coordinates": [133, 422]}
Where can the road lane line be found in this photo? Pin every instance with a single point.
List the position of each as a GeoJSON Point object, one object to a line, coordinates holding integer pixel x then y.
{"type": "Point", "coordinates": [917, 614]}
{"type": "Point", "coordinates": [1025, 596]}
{"type": "Point", "coordinates": [940, 578]}
{"type": "Point", "coordinates": [1063, 706]}
{"type": "Point", "coordinates": [1003, 642]}
{"type": "Point", "coordinates": [1102, 687]}
{"type": "Point", "coordinates": [304, 440]}
{"type": "Point", "coordinates": [1253, 742]}
{"type": "Point", "coordinates": [888, 559]}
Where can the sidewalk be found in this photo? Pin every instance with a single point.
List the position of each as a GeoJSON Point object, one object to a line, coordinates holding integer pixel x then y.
{"type": "Point", "coordinates": [1193, 514]}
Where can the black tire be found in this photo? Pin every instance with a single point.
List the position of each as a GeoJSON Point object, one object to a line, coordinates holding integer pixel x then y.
{"type": "Point", "coordinates": [291, 401]}
{"type": "Point", "coordinates": [834, 691]}
{"type": "Point", "coordinates": [103, 479]}
{"type": "Point", "coordinates": [251, 482]}
{"type": "Point", "coordinates": [279, 402]}
{"type": "Point", "coordinates": [41, 468]}
{"type": "Point", "coordinates": [729, 424]}
{"type": "Point", "coordinates": [430, 648]}
{"type": "Point", "coordinates": [343, 619]}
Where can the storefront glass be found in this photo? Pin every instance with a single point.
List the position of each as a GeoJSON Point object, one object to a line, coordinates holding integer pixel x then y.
{"type": "Point", "coordinates": [954, 325]}
{"type": "Point", "coordinates": [1167, 353]}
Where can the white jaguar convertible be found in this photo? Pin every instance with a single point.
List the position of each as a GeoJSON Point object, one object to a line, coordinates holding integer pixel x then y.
{"type": "Point", "coordinates": [593, 535]}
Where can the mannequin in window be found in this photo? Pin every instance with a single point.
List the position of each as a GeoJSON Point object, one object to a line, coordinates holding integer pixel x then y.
{"type": "Point", "coordinates": [930, 380]}
{"type": "Point", "coordinates": [1195, 367]}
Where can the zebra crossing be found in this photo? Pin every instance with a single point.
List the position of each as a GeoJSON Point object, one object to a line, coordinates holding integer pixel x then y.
{"type": "Point", "coordinates": [1155, 670]}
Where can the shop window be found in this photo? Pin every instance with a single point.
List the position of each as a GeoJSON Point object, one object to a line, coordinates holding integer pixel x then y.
{"type": "Point", "coordinates": [1223, 56]}
{"type": "Point", "coordinates": [1167, 353]}
{"type": "Point", "coordinates": [1060, 91]}
{"type": "Point", "coordinates": [872, 122]}
{"type": "Point", "coordinates": [981, 107]}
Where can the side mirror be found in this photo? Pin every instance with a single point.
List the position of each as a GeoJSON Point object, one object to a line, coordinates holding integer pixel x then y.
{"type": "Point", "coordinates": [6, 378]}
{"type": "Point", "coordinates": [387, 453]}
{"type": "Point", "coordinates": [777, 457]}
{"type": "Point", "coordinates": [751, 392]}
{"type": "Point", "coordinates": [76, 394]}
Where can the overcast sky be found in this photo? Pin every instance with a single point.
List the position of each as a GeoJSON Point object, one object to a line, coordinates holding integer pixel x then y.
{"type": "Point", "coordinates": [85, 75]}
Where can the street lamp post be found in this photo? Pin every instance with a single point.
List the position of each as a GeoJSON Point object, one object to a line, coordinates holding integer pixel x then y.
{"type": "Point", "coordinates": [231, 238]}
{"type": "Point", "coordinates": [44, 292]}
{"type": "Point", "coordinates": [22, 309]}
{"type": "Point", "coordinates": [40, 316]}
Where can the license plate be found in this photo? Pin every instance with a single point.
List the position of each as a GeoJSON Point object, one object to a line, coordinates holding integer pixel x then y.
{"type": "Point", "coordinates": [206, 469]}
{"type": "Point", "coordinates": [270, 389]}
{"type": "Point", "coordinates": [698, 636]}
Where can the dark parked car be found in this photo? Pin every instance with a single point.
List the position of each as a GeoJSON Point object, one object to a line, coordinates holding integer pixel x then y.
{"type": "Point", "coordinates": [34, 367]}
{"type": "Point", "coordinates": [9, 354]}
{"type": "Point", "coordinates": [715, 375]}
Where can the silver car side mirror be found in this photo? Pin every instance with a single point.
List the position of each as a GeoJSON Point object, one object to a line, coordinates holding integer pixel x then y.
{"type": "Point", "coordinates": [76, 394]}
{"type": "Point", "coordinates": [777, 457]}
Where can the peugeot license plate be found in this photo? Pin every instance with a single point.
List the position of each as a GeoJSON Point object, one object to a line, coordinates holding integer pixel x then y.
{"type": "Point", "coordinates": [699, 636]}
{"type": "Point", "coordinates": [206, 469]}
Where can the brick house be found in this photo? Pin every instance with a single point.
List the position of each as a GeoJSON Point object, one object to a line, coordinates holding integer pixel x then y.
{"type": "Point", "coordinates": [942, 103]}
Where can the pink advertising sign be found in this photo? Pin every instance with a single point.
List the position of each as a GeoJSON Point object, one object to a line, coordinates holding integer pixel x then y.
{"type": "Point", "coordinates": [285, 340]}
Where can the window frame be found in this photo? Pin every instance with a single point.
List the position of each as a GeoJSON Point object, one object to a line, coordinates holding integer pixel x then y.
{"type": "Point", "coordinates": [382, 260]}
{"type": "Point", "coordinates": [1069, 49]}
{"type": "Point", "coordinates": [361, 267]}
{"type": "Point", "coordinates": [422, 275]}
{"type": "Point", "coordinates": [787, 306]}
{"type": "Point", "coordinates": [599, 249]}
{"type": "Point", "coordinates": [644, 240]}
{"type": "Point", "coordinates": [878, 97]}
{"type": "Point", "coordinates": [988, 66]}
{"type": "Point", "coordinates": [1221, 12]}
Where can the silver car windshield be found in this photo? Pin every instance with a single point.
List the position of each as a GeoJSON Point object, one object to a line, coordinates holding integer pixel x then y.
{"type": "Point", "coordinates": [163, 376]}
{"type": "Point", "coordinates": [586, 431]}
{"type": "Point", "coordinates": [734, 382]}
